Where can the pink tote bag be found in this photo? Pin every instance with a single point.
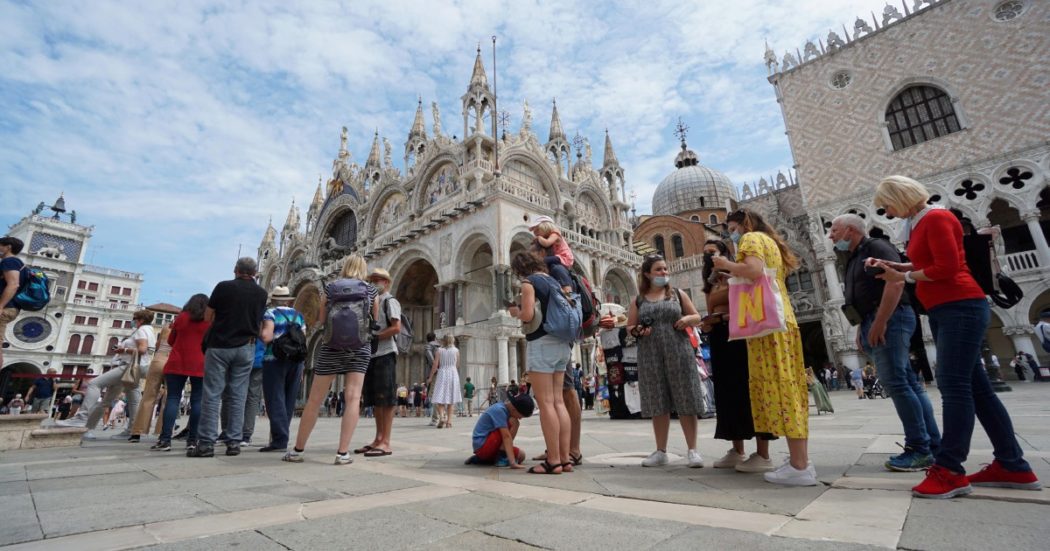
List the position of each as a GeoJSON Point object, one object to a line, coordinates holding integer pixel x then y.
{"type": "Point", "coordinates": [756, 307]}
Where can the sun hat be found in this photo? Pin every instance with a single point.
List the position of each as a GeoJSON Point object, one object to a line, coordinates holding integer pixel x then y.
{"type": "Point", "coordinates": [539, 220]}
{"type": "Point", "coordinates": [379, 273]}
{"type": "Point", "coordinates": [281, 292]}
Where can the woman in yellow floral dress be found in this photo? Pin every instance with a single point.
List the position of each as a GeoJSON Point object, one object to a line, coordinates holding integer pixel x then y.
{"type": "Point", "coordinates": [777, 374]}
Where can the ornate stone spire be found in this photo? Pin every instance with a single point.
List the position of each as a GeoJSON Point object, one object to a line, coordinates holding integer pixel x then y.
{"type": "Point", "coordinates": [318, 196]}
{"type": "Point", "coordinates": [479, 79]}
{"type": "Point", "coordinates": [292, 222]}
{"type": "Point", "coordinates": [270, 235]}
{"type": "Point", "coordinates": [610, 155]}
{"type": "Point", "coordinates": [374, 160]}
{"type": "Point", "coordinates": [419, 129]}
{"type": "Point", "coordinates": [556, 131]}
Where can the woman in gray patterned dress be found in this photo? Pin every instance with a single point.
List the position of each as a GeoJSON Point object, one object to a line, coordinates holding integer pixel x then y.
{"type": "Point", "coordinates": [668, 379]}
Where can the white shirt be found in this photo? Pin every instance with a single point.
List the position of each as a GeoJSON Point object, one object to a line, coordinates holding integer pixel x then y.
{"type": "Point", "coordinates": [144, 332]}
{"type": "Point", "coordinates": [392, 307]}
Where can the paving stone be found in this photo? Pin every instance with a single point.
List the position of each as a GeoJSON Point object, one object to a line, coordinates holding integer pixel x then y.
{"type": "Point", "coordinates": [14, 488]}
{"type": "Point", "coordinates": [381, 528]}
{"type": "Point", "coordinates": [92, 481]}
{"type": "Point", "coordinates": [584, 529]}
{"type": "Point", "coordinates": [475, 510]}
{"type": "Point", "coordinates": [19, 520]}
{"type": "Point", "coordinates": [975, 524]}
{"type": "Point", "coordinates": [12, 473]}
{"type": "Point", "coordinates": [73, 468]}
{"type": "Point", "coordinates": [247, 539]}
{"type": "Point", "coordinates": [477, 541]}
{"type": "Point", "coordinates": [102, 514]}
{"type": "Point", "coordinates": [264, 496]}
{"type": "Point", "coordinates": [720, 539]}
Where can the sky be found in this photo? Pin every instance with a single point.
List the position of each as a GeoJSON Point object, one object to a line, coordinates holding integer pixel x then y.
{"type": "Point", "coordinates": [178, 129]}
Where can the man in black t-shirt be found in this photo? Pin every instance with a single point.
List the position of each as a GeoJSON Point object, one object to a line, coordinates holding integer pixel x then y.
{"type": "Point", "coordinates": [887, 322]}
{"type": "Point", "coordinates": [235, 310]}
{"type": "Point", "coordinates": [10, 277]}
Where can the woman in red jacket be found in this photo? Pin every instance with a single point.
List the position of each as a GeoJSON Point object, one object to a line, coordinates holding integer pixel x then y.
{"type": "Point", "coordinates": [959, 316]}
{"type": "Point", "coordinates": [186, 362]}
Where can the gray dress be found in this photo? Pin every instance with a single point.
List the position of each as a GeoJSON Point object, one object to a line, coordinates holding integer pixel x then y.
{"type": "Point", "coordinates": [668, 379]}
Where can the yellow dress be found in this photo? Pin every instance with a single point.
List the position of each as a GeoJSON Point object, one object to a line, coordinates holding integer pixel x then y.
{"type": "Point", "coordinates": [777, 373]}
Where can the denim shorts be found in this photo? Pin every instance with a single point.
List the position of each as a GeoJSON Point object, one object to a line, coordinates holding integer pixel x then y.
{"type": "Point", "coordinates": [547, 354]}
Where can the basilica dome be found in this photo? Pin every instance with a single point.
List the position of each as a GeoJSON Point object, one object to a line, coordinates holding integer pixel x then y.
{"type": "Point", "coordinates": [691, 187]}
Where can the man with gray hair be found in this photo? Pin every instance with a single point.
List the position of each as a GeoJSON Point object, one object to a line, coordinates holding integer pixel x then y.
{"type": "Point", "coordinates": [886, 322]}
{"type": "Point", "coordinates": [235, 310]}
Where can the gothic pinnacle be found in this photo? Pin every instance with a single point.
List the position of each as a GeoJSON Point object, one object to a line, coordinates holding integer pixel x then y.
{"type": "Point", "coordinates": [556, 131]}
{"type": "Point", "coordinates": [373, 156]}
{"type": "Point", "coordinates": [419, 129]}
{"type": "Point", "coordinates": [610, 155]}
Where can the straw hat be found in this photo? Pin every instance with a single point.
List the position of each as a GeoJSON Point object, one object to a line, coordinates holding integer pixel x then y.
{"type": "Point", "coordinates": [281, 293]}
{"type": "Point", "coordinates": [379, 273]}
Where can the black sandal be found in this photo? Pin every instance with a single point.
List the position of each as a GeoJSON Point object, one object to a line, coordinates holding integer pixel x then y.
{"type": "Point", "coordinates": [567, 467]}
{"type": "Point", "coordinates": [547, 468]}
{"type": "Point", "coordinates": [577, 460]}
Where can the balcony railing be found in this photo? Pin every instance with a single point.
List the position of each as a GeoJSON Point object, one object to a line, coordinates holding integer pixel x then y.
{"type": "Point", "coordinates": [102, 270]}
{"type": "Point", "coordinates": [1020, 263]}
{"type": "Point", "coordinates": [106, 305]}
{"type": "Point", "coordinates": [619, 253]}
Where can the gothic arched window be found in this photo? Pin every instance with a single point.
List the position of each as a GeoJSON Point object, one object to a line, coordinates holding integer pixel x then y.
{"type": "Point", "coordinates": [74, 345]}
{"type": "Point", "coordinates": [918, 114]}
{"type": "Point", "coordinates": [678, 245]}
{"type": "Point", "coordinates": [344, 229]}
{"type": "Point", "coordinates": [658, 244]}
{"type": "Point", "coordinates": [89, 342]}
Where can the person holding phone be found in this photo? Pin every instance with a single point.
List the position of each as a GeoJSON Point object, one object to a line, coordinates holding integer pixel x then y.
{"type": "Point", "coordinates": [886, 323]}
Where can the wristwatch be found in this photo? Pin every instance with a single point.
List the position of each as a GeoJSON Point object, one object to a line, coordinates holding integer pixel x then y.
{"type": "Point", "coordinates": [908, 278]}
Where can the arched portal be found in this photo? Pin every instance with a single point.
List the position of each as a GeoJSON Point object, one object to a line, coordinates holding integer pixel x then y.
{"type": "Point", "coordinates": [11, 385]}
{"type": "Point", "coordinates": [478, 289]}
{"type": "Point", "coordinates": [617, 288]}
{"type": "Point", "coordinates": [415, 288]}
{"type": "Point", "coordinates": [1016, 236]}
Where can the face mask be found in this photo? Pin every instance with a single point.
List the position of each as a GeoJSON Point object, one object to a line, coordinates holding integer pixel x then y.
{"type": "Point", "coordinates": [735, 237]}
{"type": "Point", "coordinates": [842, 244]}
{"type": "Point", "coordinates": [661, 281]}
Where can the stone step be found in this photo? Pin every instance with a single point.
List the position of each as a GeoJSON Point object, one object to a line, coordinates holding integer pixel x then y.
{"type": "Point", "coordinates": [21, 422]}
{"type": "Point", "coordinates": [56, 437]}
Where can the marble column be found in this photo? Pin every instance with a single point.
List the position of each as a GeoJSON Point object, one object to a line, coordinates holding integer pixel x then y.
{"type": "Point", "coordinates": [1021, 336]}
{"type": "Point", "coordinates": [1032, 219]}
{"type": "Point", "coordinates": [512, 347]}
{"type": "Point", "coordinates": [502, 362]}
{"type": "Point", "coordinates": [832, 275]}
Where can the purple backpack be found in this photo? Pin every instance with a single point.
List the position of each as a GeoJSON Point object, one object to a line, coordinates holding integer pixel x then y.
{"type": "Point", "coordinates": [349, 320]}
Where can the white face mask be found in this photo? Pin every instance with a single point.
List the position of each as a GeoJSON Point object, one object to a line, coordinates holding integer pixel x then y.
{"type": "Point", "coordinates": [661, 281]}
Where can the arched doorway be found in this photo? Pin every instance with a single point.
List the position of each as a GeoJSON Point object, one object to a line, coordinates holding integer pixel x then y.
{"type": "Point", "coordinates": [476, 267]}
{"type": "Point", "coordinates": [416, 290]}
{"type": "Point", "coordinates": [814, 348]}
{"type": "Point", "coordinates": [13, 380]}
{"type": "Point", "coordinates": [617, 288]}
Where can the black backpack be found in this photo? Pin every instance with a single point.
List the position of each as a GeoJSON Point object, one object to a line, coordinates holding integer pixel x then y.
{"type": "Point", "coordinates": [291, 346]}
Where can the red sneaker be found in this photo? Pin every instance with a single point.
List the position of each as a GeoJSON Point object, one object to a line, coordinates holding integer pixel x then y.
{"type": "Point", "coordinates": [940, 483]}
{"type": "Point", "coordinates": [996, 476]}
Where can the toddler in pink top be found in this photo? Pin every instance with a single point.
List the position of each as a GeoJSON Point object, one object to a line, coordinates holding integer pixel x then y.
{"type": "Point", "coordinates": [559, 257]}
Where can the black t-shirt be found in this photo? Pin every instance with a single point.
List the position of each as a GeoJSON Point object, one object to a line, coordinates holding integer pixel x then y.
{"type": "Point", "coordinates": [11, 263]}
{"type": "Point", "coordinates": [864, 291]}
{"type": "Point", "coordinates": [239, 305]}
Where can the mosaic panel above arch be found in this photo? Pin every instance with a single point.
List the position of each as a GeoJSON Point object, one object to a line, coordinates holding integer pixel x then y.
{"type": "Point", "coordinates": [394, 207]}
{"type": "Point", "coordinates": [443, 183]}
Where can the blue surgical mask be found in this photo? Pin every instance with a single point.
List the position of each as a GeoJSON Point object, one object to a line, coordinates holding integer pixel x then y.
{"type": "Point", "coordinates": [734, 237]}
{"type": "Point", "coordinates": [661, 281]}
{"type": "Point", "coordinates": [842, 245]}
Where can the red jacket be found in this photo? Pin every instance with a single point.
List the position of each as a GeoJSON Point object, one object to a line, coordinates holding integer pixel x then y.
{"type": "Point", "coordinates": [185, 339]}
{"type": "Point", "coordinates": [936, 248]}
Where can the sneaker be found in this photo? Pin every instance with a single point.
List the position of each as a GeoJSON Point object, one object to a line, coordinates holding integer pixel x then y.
{"type": "Point", "coordinates": [996, 476]}
{"type": "Point", "coordinates": [695, 461]}
{"type": "Point", "coordinates": [342, 458]}
{"type": "Point", "coordinates": [246, 444]}
{"type": "Point", "coordinates": [200, 451]}
{"type": "Point", "coordinates": [940, 483]}
{"type": "Point", "coordinates": [134, 438]}
{"type": "Point", "coordinates": [655, 459]}
{"type": "Point", "coordinates": [293, 456]}
{"type": "Point", "coordinates": [74, 422]}
{"type": "Point", "coordinates": [788, 475]}
{"type": "Point", "coordinates": [730, 459]}
{"type": "Point", "coordinates": [754, 464]}
{"type": "Point", "coordinates": [472, 460]}
{"type": "Point", "coordinates": [122, 435]}
{"type": "Point", "coordinates": [502, 462]}
{"type": "Point", "coordinates": [909, 462]}
{"type": "Point", "coordinates": [89, 435]}
{"type": "Point", "coordinates": [161, 446]}
{"type": "Point", "coordinates": [233, 449]}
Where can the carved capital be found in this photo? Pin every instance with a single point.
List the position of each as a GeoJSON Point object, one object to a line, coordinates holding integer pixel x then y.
{"type": "Point", "coordinates": [1015, 330]}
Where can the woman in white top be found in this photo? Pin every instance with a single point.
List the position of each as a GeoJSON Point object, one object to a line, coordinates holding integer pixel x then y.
{"type": "Point", "coordinates": [446, 391]}
{"type": "Point", "coordinates": [142, 341]}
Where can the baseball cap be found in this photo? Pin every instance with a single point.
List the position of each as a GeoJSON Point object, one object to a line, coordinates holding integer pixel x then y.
{"type": "Point", "coordinates": [524, 404]}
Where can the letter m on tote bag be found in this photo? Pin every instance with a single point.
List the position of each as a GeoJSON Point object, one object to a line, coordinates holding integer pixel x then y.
{"type": "Point", "coordinates": [756, 307]}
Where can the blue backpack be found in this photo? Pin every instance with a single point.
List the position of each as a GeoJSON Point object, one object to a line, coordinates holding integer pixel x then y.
{"type": "Point", "coordinates": [561, 318]}
{"type": "Point", "coordinates": [33, 293]}
{"type": "Point", "coordinates": [349, 322]}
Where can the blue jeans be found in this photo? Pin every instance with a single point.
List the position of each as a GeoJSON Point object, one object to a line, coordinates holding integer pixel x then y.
{"type": "Point", "coordinates": [281, 388]}
{"type": "Point", "coordinates": [251, 407]}
{"type": "Point", "coordinates": [225, 367]}
{"type": "Point", "coordinates": [175, 384]}
{"type": "Point", "coordinates": [958, 330]}
{"type": "Point", "coordinates": [900, 381]}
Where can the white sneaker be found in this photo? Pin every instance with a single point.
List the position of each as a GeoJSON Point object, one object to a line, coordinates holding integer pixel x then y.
{"type": "Point", "coordinates": [342, 458]}
{"type": "Point", "coordinates": [695, 461]}
{"type": "Point", "coordinates": [790, 476]}
{"type": "Point", "coordinates": [730, 459]}
{"type": "Point", "coordinates": [655, 459]}
{"type": "Point", "coordinates": [89, 435]}
{"type": "Point", "coordinates": [77, 422]}
{"type": "Point", "coordinates": [754, 464]}
{"type": "Point", "coordinates": [292, 456]}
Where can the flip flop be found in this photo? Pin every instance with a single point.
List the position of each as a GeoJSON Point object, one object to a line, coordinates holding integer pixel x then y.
{"type": "Point", "coordinates": [376, 452]}
{"type": "Point", "coordinates": [576, 459]}
{"type": "Point", "coordinates": [547, 468]}
{"type": "Point", "coordinates": [363, 449]}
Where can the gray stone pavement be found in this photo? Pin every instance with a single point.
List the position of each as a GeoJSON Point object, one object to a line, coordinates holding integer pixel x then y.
{"type": "Point", "coordinates": [116, 495]}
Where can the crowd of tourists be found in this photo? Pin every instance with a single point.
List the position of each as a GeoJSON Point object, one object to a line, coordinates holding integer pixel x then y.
{"type": "Point", "coordinates": [240, 348]}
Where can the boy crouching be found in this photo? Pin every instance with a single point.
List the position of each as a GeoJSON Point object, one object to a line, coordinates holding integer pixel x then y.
{"type": "Point", "coordinates": [495, 430]}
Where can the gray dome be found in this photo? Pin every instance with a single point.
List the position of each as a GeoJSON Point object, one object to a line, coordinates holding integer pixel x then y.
{"type": "Point", "coordinates": [691, 187]}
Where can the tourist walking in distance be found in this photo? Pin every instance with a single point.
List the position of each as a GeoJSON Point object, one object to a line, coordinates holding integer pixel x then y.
{"type": "Point", "coordinates": [185, 365]}
{"type": "Point", "coordinates": [235, 310]}
{"type": "Point", "coordinates": [776, 373]}
{"type": "Point", "coordinates": [468, 397]}
{"type": "Point", "coordinates": [886, 323]}
{"type": "Point", "coordinates": [444, 375]}
{"type": "Point", "coordinates": [668, 379]}
{"type": "Point", "coordinates": [959, 316]}
{"type": "Point", "coordinates": [347, 305]}
{"type": "Point", "coordinates": [281, 377]}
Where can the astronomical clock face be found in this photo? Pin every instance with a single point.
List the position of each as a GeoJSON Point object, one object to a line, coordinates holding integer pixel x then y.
{"type": "Point", "coordinates": [32, 329]}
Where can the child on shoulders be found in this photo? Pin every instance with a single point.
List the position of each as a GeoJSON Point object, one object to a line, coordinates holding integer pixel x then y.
{"type": "Point", "coordinates": [494, 433]}
{"type": "Point", "coordinates": [560, 257]}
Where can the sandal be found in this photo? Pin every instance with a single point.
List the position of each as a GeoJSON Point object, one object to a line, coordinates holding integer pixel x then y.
{"type": "Point", "coordinates": [547, 468]}
{"type": "Point", "coordinates": [576, 459]}
{"type": "Point", "coordinates": [363, 449]}
{"type": "Point", "coordinates": [567, 467]}
{"type": "Point", "coordinates": [541, 457]}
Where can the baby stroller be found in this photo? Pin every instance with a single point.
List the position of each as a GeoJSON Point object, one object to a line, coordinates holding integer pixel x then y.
{"type": "Point", "coordinates": [874, 388]}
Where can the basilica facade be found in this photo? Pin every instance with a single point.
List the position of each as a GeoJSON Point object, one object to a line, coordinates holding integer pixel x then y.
{"type": "Point", "coordinates": [447, 227]}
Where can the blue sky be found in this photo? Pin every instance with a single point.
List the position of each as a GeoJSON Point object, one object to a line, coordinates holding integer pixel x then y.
{"type": "Point", "coordinates": [177, 129]}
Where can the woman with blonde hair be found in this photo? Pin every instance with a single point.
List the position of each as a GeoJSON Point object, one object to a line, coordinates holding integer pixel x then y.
{"type": "Point", "coordinates": [445, 376]}
{"type": "Point", "coordinates": [959, 315]}
{"type": "Point", "coordinates": [330, 361]}
{"type": "Point", "coordinates": [776, 373]}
